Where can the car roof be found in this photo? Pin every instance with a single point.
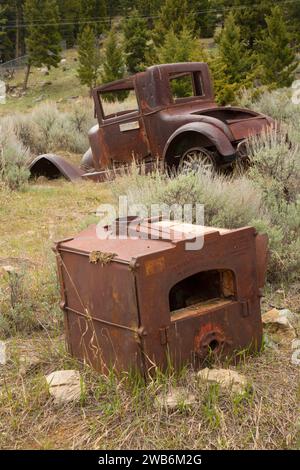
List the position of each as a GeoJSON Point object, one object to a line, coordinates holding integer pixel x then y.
{"type": "Point", "coordinates": [128, 82]}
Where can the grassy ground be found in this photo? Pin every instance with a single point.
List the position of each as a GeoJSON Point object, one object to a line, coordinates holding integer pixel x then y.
{"type": "Point", "coordinates": [61, 85]}
{"type": "Point", "coordinates": [118, 413]}
{"type": "Point", "coordinates": [122, 413]}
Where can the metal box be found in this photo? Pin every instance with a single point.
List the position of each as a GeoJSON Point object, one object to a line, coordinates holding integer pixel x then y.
{"type": "Point", "coordinates": [137, 304]}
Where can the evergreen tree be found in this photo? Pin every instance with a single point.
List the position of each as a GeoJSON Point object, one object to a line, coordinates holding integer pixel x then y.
{"type": "Point", "coordinates": [69, 12]}
{"type": "Point", "coordinates": [148, 7]}
{"type": "Point", "coordinates": [6, 36]}
{"type": "Point", "coordinates": [135, 42]}
{"type": "Point", "coordinates": [42, 35]}
{"type": "Point", "coordinates": [206, 16]}
{"type": "Point", "coordinates": [232, 66]}
{"type": "Point", "coordinates": [276, 55]}
{"type": "Point", "coordinates": [174, 15]}
{"type": "Point", "coordinates": [113, 65]}
{"type": "Point", "coordinates": [94, 13]}
{"type": "Point", "coordinates": [89, 58]}
{"type": "Point", "coordinates": [3, 33]}
{"type": "Point", "coordinates": [183, 47]}
{"type": "Point", "coordinates": [249, 16]}
{"type": "Point", "coordinates": [292, 11]}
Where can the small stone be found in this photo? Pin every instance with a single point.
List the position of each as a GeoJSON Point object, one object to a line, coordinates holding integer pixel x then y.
{"type": "Point", "coordinates": [278, 317]}
{"type": "Point", "coordinates": [296, 344]}
{"type": "Point", "coordinates": [10, 269]}
{"type": "Point", "coordinates": [226, 378]}
{"type": "Point", "coordinates": [64, 385]}
{"type": "Point", "coordinates": [295, 360]}
{"type": "Point", "coordinates": [176, 398]}
{"type": "Point", "coordinates": [3, 356]}
{"type": "Point", "coordinates": [63, 61]}
{"type": "Point", "coordinates": [28, 362]}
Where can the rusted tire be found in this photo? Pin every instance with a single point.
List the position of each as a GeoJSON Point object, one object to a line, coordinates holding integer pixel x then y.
{"type": "Point", "coordinates": [197, 159]}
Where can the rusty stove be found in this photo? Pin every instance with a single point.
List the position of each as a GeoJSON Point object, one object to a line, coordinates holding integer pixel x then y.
{"type": "Point", "coordinates": [137, 303]}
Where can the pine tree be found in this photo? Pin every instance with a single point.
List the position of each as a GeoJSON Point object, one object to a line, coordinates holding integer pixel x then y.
{"type": "Point", "coordinates": [113, 64]}
{"type": "Point", "coordinates": [232, 66]}
{"type": "Point", "coordinates": [206, 16]}
{"type": "Point", "coordinates": [89, 58]}
{"type": "Point", "coordinates": [94, 13]}
{"type": "Point", "coordinates": [148, 7]}
{"type": "Point", "coordinates": [42, 36]}
{"type": "Point", "coordinates": [3, 34]}
{"type": "Point", "coordinates": [183, 47]}
{"type": "Point", "coordinates": [276, 55]}
{"type": "Point", "coordinates": [6, 43]}
{"type": "Point", "coordinates": [69, 12]}
{"type": "Point", "coordinates": [135, 42]}
{"type": "Point", "coordinates": [249, 16]}
{"type": "Point", "coordinates": [174, 15]}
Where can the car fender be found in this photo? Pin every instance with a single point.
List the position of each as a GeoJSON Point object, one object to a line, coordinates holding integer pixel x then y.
{"type": "Point", "coordinates": [211, 132]}
{"type": "Point", "coordinates": [53, 166]}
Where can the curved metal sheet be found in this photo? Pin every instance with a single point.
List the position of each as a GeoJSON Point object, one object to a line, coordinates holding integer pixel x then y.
{"type": "Point", "coordinates": [215, 135]}
{"type": "Point", "coordinates": [52, 166]}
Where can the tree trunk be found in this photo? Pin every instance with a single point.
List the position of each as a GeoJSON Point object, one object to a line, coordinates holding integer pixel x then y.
{"type": "Point", "coordinates": [26, 76]}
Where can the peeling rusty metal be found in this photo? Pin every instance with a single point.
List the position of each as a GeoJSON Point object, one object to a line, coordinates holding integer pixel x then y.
{"type": "Point", "coordinates": [53, 166]}
{"type": "Point", "coordinates": [161, 127]}
{"type": "Point", "coordinates": [175, 305]}
{"type": "Point", "coordinates": [164, 127]}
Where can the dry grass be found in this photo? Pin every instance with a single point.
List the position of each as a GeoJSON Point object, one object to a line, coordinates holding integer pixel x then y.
{"type": "Point", "coordinates": [120, 413]}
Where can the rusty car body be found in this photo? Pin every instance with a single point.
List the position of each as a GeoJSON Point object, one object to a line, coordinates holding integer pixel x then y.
{"type": "Point", "coordinates": [167, 113]}
{"type": "Point", "coordinates": [142, 302]}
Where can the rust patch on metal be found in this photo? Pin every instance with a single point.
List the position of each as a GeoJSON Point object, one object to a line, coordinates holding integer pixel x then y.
{"type": "Point", "coordinates": [179, 306]}
{"type": "Point", "coordinates": [155, 266]}
{"type": "Point", "coordinates": [101, 257]}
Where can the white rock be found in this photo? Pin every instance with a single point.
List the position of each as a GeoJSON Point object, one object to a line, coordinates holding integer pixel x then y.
{"type": "Point", "coordinates": [226, 378]}
{"type": "Point", "coordinates": [63, 61]}
{"type": "Point", "coordinates": [296, 344]}
{"type": "Point", "coordinates": [281, 318]}
{"type": "Point", "coordinates": [3, 356]}
{"type": "Point", "coordinates": [295, 360]}
{"type": "Point", "coordinates": [64, 385]}
{"type": "Point", "coordinates": [177, 397]}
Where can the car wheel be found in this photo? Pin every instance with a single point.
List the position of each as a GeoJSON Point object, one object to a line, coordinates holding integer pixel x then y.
{"type": "Point", "coordinates": [197, 159]}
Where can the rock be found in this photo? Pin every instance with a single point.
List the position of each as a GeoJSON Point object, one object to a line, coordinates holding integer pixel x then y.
{"type": "Point", "coordinates": [226, 378]}
{"type": "Point", "coordinates": [29, 361]}
{"type": "Point", "coordinates": [10, 269]}
{"type": "Point", "coordinates": [63, 61]}
{"type": "Point", "coordinates": [282, 320]}
{"type": "Point", "coordinates": [295, 359]}
{"type": "Point", "coordinates": [64, 385]}
{"type": "Point", "coordinates": [3, 356]}
{"type": "Point", "coordinates": [177, 397]}
{"type": "Point", "coordinates": [296, 344]}
{"type": "Point", "coordinates": [269, 343]}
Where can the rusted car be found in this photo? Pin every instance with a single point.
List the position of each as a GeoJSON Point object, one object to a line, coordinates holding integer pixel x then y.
{"type": "Point", "coordinates": [167, 113]}
{"type": "Point", "coordinates": [142, 302]}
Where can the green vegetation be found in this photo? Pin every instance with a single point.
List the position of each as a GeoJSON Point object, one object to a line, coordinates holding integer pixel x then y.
{"type": "Point", "coordinates": [113, 64]}
{"type": "Point", "coordinates": [136, 37]}
{"type": "Point", "coordinates": [43, 38]}
{"type": "Point", "coordinates": [89, 58]}
{"type": "Point", "coordinates": [277, 57]}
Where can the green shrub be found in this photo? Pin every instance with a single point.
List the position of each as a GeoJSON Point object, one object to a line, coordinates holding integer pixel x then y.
{"type": "Point", "coordinates": [13, 161]}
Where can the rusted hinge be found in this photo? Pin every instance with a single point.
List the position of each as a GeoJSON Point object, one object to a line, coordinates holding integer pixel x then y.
{"type": "Point", "coordinates": [245, 308]}
{"type": "Point", "coordinates": [164, 335]}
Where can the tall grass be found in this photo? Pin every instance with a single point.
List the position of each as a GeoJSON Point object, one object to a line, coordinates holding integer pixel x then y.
{"type": "Point", "coordinates": [267, 197]}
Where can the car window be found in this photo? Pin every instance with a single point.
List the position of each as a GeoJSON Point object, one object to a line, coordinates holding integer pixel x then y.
{"type": "Point", "coordinates": [186, 84]}
{"type": "Point", "coordinates": [118, 102]}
